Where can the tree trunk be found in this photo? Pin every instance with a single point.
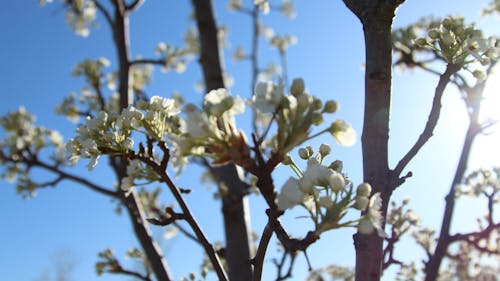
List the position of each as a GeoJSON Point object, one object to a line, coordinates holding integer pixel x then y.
{"type": "Point", "coordinates": [234, 203]}
{"type": "Point", "coordinates": [376, 17]}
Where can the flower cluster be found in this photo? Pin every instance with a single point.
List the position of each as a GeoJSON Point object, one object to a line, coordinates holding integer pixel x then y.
{"type": "Point", "coordinates": [111, 133]}
{"type": "Point", "coordinates": [295, 114]}
{"type": "Point", "coordinates": [282, 42]}
{"type": "Point", "coordinates": [137, 170]}
{"type": "Point", "coordinates": [327, 195]}
{"type": "Point", "coordinates": [460, 44]}
{"type": "Point", "coordinates": [210, 130]}
{"type": "Point", "coordinates": [23, 140]}
{"type": "Point", "coordinates": [80, 16]}
{"type": "Point", "coordinates": [174, 58]}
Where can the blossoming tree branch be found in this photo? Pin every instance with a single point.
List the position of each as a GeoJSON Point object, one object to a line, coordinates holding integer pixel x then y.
{"type": "Point", "coordinates": [144, 140]}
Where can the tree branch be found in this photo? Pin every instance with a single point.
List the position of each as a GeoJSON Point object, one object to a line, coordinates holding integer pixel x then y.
{"type": "Point", "coordinates": [105, 13]}
{"type": "Point", "coordinates": [258, 260]}
{"type": "Point", "coordinates": [80, 180]}
{"type": "Point", "coordinates": [188, 216]}
{"type": "Point", "coordinates": [431, 121]}
{"type": "Point", "coordinates": [134, 5]}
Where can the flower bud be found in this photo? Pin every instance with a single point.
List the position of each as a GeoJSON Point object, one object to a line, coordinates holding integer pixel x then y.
{"type": "Point", "coordinates": [317, 104]}
{"type": "Point", "coordinates": [316, 118]}
{"type": "Point", "coordinates": [298, 87]}
{"type": "Point", "coordinates": [421, 42]}
{"type": "Point", "coordinates": [303, 101]}
{"type": "Point", "coordinates": [479, 74]}
{"type": "Point", "coordinates": [485, 61]}
{"type": "Point", "coordinates": [361, 203]}
{"type": "Point", "coordinates": [304, 153]}
{"type": "Point", "coordinates": [337, 166]}
{"type": "Point", "coordinates": [331, 106]}
{"type": "Point", "coordinates": [447, 23]}
{"type": "Point", "coordinates": [324, 149]}
{"type": "Point", "coordinates": [364, 189]}
{"type": "Point", "coordinates": [433, 33]}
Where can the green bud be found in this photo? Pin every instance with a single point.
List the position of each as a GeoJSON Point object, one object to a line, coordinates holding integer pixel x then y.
{"type": "Point", "coordinates": [421, 42]}
{"type": "Point", "coordinates": [304, 101]}
{"type": "Point", "coordinates": [316, 118]}
{"type": "Point", "coordinates": [337, 165]}
{"type": "Point", "coordinates": [317, 104]}
{"type": "Point", "coordinates": [433, 33]}
{"type": "Point", "coordinates": [479, 74]}
{"type": "Point", "coordinates": [304, 153]}
{"type": "Point", "coordinates": [331, 106]}
{"type": "Point", "coordinates": [298, 87]}
{"type": "Point", "coordinates": [364, 189]}
{"type": "Point", "coordinates": [361, 203]}
{"type": "Point", "coordinates": [448, 23]}
{"type": "Point", "coordinates": [485, 61]}
{"type": "Point", "coordinates": [324, 149]}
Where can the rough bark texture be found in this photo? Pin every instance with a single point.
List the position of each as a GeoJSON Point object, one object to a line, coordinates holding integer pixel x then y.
{"type": "Point", "coordinates": [376, 17]}
{"type": "Point", "coordinates": [234, 202]}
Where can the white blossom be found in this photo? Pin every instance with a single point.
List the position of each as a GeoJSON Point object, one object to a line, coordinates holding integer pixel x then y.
{"type": "Point", "coordinates": [290, 195]}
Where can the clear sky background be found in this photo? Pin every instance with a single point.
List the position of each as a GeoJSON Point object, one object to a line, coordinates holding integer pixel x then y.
{"type": "Point", "coordinates": [70, 224]}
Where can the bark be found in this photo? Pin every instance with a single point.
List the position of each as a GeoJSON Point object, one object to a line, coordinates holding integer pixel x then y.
{"type": "Point", "coordinates": [142, 232]}
{"type": "Point", "coordinates": [234, 203]}
{"type": "Point", "coordinates": [151, 249]}
{"type": "Point", "coordinates": [376, 18]}
{"type": "Point", "coordinates": [433, 264]}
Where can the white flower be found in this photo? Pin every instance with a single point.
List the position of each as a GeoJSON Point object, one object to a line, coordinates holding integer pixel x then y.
{"type": "Point", "coordinates": [290, 195]}
{"type": "Point", "coordinates": [263, 5]}
{"type": "Point", "coordinates": [373, 217]}
{"type": "Point", "coordinates": [318, 175]}
{"type": "Point", "coordinates": [343, 133]}
{"type": "Point", "coordinates": [267, 97]}
{"type": "Point", "coordinates": [198, 124]}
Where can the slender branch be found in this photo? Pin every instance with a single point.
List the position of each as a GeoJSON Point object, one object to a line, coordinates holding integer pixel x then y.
{"type": "Point", "coordinates": [284, 67]}
{"type": "Point", "coordinates": [131, 273]}
{"type": "Point", "coordinates": [188, 216]}
{"type": "Point", "coordinates": [431, 122]}
{"type": "Point", "coordinates": [134, 5]}
{"type": "Point", "coordinates": [105, 13]}
{"type": "Point", "coordinates": [75, 178]}
{"type": "Point", "coordinates": [435, 259]}
{"type": "Point", "coordinates": [258, 260]}
{"type": "Point", "coordinates": [186, 232]}
{"type": "Point", "coordinates": [148, 61]}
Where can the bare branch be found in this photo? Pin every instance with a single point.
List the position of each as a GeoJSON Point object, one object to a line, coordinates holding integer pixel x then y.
{"type": "Point", "coordinates": [134, 5]}
{"type": "Point", "coordinates": [258, 260]}
{"type": "Point", "coordinates": [160, 62]}
{"type": "Point", "coordinates": [431, 122]}
{"type": "Point", "coordinates": [188, 216]}
{"type": "Point", "coordinates": [65, 175]}
{"type": "Point", "coordinates": [105, 13]}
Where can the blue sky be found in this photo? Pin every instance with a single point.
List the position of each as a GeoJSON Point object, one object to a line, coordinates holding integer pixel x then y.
{"type": "Point", "coordinates": [38, 52]}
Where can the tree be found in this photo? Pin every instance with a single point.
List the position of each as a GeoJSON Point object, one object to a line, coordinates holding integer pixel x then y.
{"type": "Point", "coordinates": [142, 136]}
